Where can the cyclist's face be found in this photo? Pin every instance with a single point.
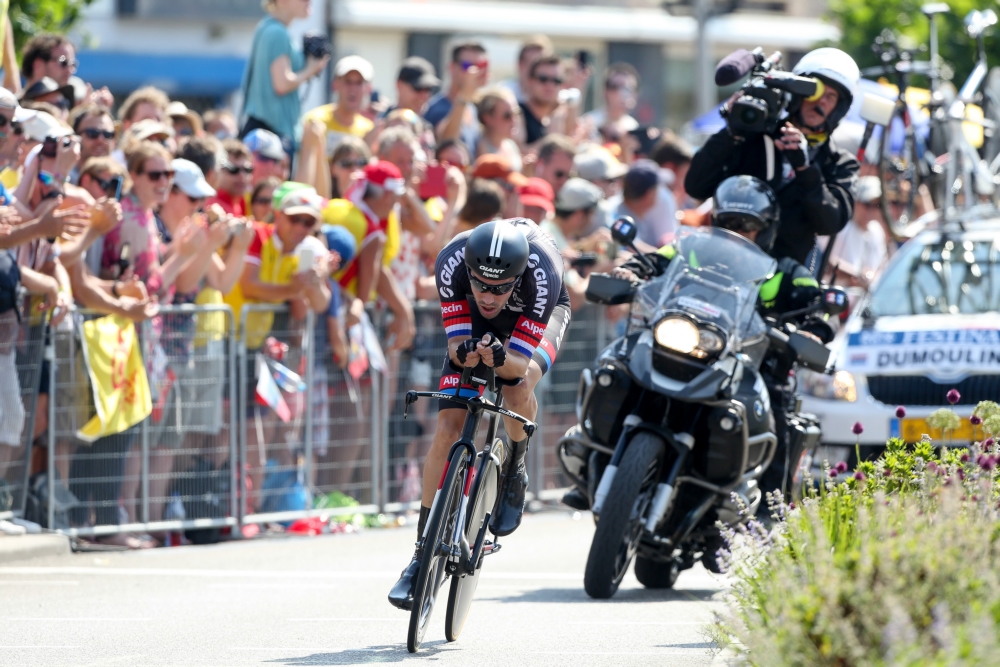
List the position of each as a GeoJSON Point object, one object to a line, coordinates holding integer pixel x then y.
{"type": "Point", "coordinates": [490, 304]}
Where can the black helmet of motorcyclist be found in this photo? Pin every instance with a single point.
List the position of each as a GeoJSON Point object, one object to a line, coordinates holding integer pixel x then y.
{"type": "Point", "coordinates": [497, 250]}
{"type": "Point", "coordinates": [747, 206]}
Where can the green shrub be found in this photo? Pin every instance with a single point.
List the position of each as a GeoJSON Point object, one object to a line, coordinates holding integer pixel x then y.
{"type": "Point", "coordinates": [899, 565]}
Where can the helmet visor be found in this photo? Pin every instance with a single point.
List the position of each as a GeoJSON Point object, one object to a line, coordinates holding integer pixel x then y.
{"type": "Point", "coordinates": [739, 221]}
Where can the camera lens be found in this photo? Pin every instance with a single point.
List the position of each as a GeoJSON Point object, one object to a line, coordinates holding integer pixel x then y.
{"type": "Point", "coordinates": [749, 116]}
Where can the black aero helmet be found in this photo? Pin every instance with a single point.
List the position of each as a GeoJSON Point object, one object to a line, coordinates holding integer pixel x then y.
{"type": "Point", "coordinates": [497, 250]}
{"type": "Point", "coordinates": [745, 204]}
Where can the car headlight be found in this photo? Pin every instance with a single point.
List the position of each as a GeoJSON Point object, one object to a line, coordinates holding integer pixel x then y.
{"type": "Point", "coordinates": [837, 387]}
{"type": "Point", "coordinates": [684, 336]}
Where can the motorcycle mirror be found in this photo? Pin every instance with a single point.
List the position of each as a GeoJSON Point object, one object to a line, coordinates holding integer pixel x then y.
{"type": "Point", "coordinates": [835, 301]}
{"type": "Point", "coordinates": [623, 231]}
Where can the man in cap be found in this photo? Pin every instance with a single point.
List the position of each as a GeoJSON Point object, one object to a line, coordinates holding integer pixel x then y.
{"type": "Point", "coordinates": [187, 123]}
{"type": "Point", "coordinates": [353, 85]}
{"type": "Point", "coordinates": [496, 168]}
{"type": "Point", "coordinates": [641, 193]}
{"type": "Point", "coordinates": [860, 249]}
{"type": "Point", "coordinates": [415, 84]}
{"type": "Point", "coordinates": [536, 200]}
{"type": "Point", "coordinates": [268, 155]}
{"type": "Point", "coordinates": [48, 90]}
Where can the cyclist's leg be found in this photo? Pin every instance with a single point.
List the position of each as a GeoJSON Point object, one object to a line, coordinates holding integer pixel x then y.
{"type": "Point", "coordinates": [521, 399]}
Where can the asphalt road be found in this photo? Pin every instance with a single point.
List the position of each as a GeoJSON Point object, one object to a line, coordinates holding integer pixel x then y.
{"type": "Point", "coordinates": [322, 601]}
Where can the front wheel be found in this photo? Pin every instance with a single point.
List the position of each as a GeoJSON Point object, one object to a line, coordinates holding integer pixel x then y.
{"type": "Point", "coordinates": [463, 587]}
{"type": "Point", "coordinates": [620, 524]}
{"type": "Point", "coordinates": [656, 574]}
{"type": "Point", "coordinates": [437, 543]}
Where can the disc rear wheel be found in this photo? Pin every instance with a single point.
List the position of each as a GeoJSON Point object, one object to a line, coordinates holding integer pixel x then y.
{"type": "Point", "coordinates": [482, 498]}
{"type": "Point", "coordinates": [441, 527]}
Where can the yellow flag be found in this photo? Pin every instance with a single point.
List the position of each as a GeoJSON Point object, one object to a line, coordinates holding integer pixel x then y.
{"type": "Point", "coordinates": [117, 375]}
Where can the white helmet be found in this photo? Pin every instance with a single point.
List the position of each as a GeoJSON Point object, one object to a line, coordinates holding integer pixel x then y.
{"type": "Point", "coordinates": [833, 67]}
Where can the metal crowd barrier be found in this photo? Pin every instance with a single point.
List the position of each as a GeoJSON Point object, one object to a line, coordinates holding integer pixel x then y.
{"type": "Point", "coordinates": [212, 456]}
{"type": "Point", "coordinates": [22, 337]}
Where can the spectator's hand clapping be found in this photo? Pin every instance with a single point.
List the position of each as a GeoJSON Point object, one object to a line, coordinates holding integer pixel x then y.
{"type": "Point", "coordinates": [9, 217]}
{"type": "Point", "coordinates": [63, 223]}
{"type": "Point", "coordinates": [217, 234]}
{"type": "Point", "coordinates": [243, 235]}
{"type": "Point", "coordinates": [190, 238]}
{"type": "Point", "coordinates": [333, 261]}
{"type": "Point", "coordinates": [105, 215]}
{"type": "Point", "coordinates": [138, 310]}
{"type": "Point", "coordinates": [133, 288]}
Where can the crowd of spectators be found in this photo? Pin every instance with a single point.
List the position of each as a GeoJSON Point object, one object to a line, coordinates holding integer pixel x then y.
{"type": "Point", "coordinates": [124, 207]}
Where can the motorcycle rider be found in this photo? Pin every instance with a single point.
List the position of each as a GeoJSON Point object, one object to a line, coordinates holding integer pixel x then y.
{"type": "Point", "coordinates": [813, 179]}
{"type": "Point", "coordinates": [747, 206]}
{"type": "Point", "coordinates": [503, 279]}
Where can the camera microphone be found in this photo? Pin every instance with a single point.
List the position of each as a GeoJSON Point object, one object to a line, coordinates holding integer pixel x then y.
{"type": "Point", "coordinates": [734, 67]}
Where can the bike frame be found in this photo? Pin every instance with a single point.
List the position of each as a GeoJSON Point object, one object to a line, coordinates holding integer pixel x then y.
{"type": "Point", "coordinates": [460, 556]}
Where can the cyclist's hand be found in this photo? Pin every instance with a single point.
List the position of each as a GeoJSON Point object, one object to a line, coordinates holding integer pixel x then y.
{"type": "Point", "coordinates": [467, 353]}
{"type": "Point", "coordinates": [492, 351]}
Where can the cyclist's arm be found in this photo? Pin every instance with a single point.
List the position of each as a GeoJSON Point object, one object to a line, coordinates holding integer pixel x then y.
{"type": "Point", "coordinates": [515, 366]}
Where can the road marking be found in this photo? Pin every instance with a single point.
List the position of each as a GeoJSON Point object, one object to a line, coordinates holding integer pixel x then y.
{"type": "Point", "coordinates": [610, 653]}
{"type": "Point", "coordinates": [37, 582]}
{"type": "Point", "coordinates": [68, 618]}
{"type": "Point", "coordinates": [325, 620]}
{"type": "Point", "coordinates": [635, 622]}
{"type": "Point", "coordinates": [264, 574]}
{"type": "Point", "coordinates": [282, 586]}
{"type": "Point", "coordinates": [35, 647]}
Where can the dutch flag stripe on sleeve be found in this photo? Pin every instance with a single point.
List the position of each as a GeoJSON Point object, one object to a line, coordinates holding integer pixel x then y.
{"type": "Point", "coordinates": [526, 337]}
{"type": "Point", "coordinates": [457, 320]}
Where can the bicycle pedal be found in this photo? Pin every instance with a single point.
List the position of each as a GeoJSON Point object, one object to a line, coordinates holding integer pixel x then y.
{"type": "Point", "coordinates": [490, 548]}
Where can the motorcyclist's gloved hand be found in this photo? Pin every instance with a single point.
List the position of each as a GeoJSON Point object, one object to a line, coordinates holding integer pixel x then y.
{"type": "Point", "coordinates": [499, 353]}
{"type": "Point", "coordinates": [464, 348]}
{"type": "Point", "coordinates": [803, 296]}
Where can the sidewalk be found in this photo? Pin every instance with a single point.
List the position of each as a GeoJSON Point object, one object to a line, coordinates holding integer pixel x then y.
{"type": "Point", "coordinates": [23, 547]}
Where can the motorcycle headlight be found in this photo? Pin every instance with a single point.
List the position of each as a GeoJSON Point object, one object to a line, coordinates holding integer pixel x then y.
{"type": "Point", "coordinates": [837, 387]}
{"type": "Point", "coordinates": [682, 335]}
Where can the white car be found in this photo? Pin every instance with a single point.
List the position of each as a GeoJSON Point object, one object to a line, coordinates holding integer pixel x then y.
{"type": "Point", "coordinates": [929, 325]}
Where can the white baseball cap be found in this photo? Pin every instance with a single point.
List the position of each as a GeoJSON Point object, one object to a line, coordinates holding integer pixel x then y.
{"type": "Point", "coordinates": [9, 101]}
{"type": "Point", "coordinates": [355, 64]}
{"type": "Point", "coordinates": [189, 179]}
{"type": "Point", "coordinates": [43, 125]}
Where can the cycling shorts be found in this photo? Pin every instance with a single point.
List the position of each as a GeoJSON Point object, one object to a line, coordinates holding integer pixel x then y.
{"type": "Point", "coordinates": [544, 355]}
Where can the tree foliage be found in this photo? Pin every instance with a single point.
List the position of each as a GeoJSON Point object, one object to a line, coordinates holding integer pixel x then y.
{"type": "Point", "coordinates": [32, 17]}
{"type": "Point", "coordinates": [860, 21]}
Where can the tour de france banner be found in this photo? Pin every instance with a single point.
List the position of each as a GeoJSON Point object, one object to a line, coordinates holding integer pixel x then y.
{"type": "Point", "coordinates": [117, 376]}
{"type": "Point", "coordinates": [889, 352]}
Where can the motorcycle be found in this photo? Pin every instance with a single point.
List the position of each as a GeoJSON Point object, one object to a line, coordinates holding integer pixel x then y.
{"type": "Point", "coordinates": [676, 424]}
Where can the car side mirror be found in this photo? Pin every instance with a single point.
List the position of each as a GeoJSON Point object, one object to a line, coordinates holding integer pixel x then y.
{"type": "Point", "coordinates": [835, 301]}
{"type": "Point", "coordinates": [623, 231]}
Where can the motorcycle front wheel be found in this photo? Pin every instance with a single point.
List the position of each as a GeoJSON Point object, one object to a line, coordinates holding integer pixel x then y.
{"type": "Point", "coordinates": [620, 524]}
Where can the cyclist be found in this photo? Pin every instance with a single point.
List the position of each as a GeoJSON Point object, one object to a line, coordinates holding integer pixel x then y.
{"type": "Point", "coordinates": [501, 281]}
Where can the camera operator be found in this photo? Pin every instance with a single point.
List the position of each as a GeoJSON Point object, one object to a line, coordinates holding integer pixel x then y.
{"type": "Point", "coordinates": [812, 178]}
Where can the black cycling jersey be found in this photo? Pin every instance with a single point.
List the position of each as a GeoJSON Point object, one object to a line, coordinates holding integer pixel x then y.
{"type": "Point", "coordinates": [526, 315]}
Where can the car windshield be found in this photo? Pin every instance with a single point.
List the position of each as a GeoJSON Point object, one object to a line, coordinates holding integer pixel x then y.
{"type": "Point", "coordinates": [947, 275]}
{"type": "Point", "coordinates": [713, 278]}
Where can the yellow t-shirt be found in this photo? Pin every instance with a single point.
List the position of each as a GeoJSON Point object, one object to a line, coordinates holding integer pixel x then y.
{"type": "Point", "coordinates": [276, 268]}
{"type": "Point", "coordinates": [343, 213]}
{"type": "Point", "coordinates": [335, 131]}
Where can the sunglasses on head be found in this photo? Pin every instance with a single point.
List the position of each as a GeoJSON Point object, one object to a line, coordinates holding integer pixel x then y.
{"type": "Point", "coordinates": [94, 133]}
{"type": "Point", "coordinates": [158, 175]}
{"type": "Point", "coordinates": [359, 163]}
{"type": "Point", "coordinates": [543, 79]}
{"type": "Point", "coordinates": [234, 170]}
{"type": "Point", "coordinates": [496, 290]}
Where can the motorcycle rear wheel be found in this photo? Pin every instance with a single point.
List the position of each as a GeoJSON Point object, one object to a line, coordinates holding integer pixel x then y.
{"type": "Point", "coordinates": [621, 522]}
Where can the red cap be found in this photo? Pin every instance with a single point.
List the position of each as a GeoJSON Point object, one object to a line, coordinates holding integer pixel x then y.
{"type": "Point", "coordinates": [537, 192]}
{"type": "Point", "coordinates": [386, 175]}
{"type": "Point", "coordinates": [492, 166]}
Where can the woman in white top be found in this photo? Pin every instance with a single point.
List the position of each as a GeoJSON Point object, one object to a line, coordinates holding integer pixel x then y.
{"type": "Point", "coordinates": [498, 113]}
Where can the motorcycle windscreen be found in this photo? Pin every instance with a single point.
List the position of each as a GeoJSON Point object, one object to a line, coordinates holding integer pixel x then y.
{"type": "Point", "coordinates": [714, 278]}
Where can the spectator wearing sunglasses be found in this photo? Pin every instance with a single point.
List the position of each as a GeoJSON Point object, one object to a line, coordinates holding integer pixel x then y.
{"type": "Point", "coordinates": [542, 106]}
{"type": "Point", "coordinates": [48, 90]}
{"type": "Point", "coordinates": [554, 163]}
{"type": "Point", "coordinates": [621, 90]}
{"type": "Point", "coordinates": [350, 157]}
{"type": "Point", "coordinates": [451, 112]}
{"type": "Point", "coordinates": [96, 129]}
{"type": "Point", "coordinates": [234, 179]}
{"type": "Point", "coordinates": [48, 55]}
{"type": "Point", "coordinates": [261, 200]}
{"type": "Point", "coordinates": [499, 114]}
